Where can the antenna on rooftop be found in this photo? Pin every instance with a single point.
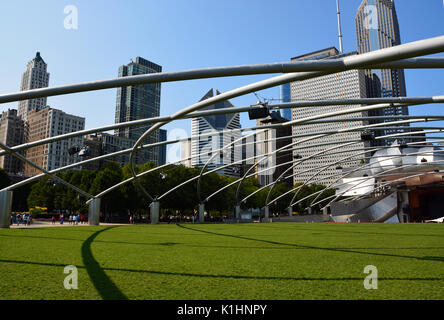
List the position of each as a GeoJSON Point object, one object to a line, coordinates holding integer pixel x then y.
{"type": "Point", "coordinates": [339, 27]}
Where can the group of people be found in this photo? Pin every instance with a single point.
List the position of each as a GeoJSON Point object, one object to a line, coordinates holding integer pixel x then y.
{"type": "Point", "coordinates": [18, 218]}
{"type": "Point", "coordinates": [73, 219]}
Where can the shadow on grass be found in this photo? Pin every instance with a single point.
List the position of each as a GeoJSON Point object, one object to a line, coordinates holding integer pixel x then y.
{"type": "Point", "coordinates": [439, 259]}
{"type": "Point", "coordinates": [303, 227]}
{"type": "Point", "coordinates": [104, 285]}
{"type": "Point", "coordinates": [224, 276]}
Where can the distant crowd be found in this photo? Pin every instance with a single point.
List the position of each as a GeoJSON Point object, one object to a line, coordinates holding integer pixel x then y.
{"type": "Point", "coordinates": [73, 219]}
{"type": "Point", "coordinates": [19, 218]}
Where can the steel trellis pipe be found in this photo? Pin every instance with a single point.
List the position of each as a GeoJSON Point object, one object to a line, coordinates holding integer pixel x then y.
{"type": "Point", "coordinates": [359, 168]}
{"type": "Point", "coordinates": [20, 157]}
{"type": "Point", "coordinates": [342, 176]}
{"type": "Point", "coordinates": [377, 138]}
{"type": "Point", "coordinates": [403, 51]}
{"type": "Point", "coordinates": [378, 175]}
{"type": "Point", "coordinates": [340, 131]}
{"type": "Point", "coordinates": [279, 67]}
{"type": "Point", "coordinates": [323, 151]}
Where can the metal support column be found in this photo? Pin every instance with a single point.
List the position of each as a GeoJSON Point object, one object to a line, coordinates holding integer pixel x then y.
{"type": "Point", "coordinates": [201, 212]}
{"type": "Point", "coordinates": [155, 209]}
{"type": "Point", "coordinates": [94, 212]}
{"type": "Point", "coordinates": [237, 212]}
{"type": "Point", "coordinates": [5, 208]}
{"type": "Point", "coordinates": [267, 214]}
{"type": "Point", "coordinates": [290, 211]}
{"type": "Point", "coordinates": [325, 217]}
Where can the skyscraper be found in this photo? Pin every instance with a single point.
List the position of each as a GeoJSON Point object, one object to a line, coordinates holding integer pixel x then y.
{"type": "Point", "coordinates": [139, 102]}
{"type": "Point", "coordinates": [34, 77]}
{"type": "Point", "coordinates": [349, 84]}
{"type": "Point", "coordinates": [267, 142]}
{"type": "Point", "coordinates": [206, 146]}
{"type": "Point", "coordinates": [377, 27]}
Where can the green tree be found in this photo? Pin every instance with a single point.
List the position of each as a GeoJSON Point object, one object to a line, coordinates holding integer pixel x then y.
{"type": "Point", "coordinates": [108, 176]}
{"type": "Point", "coordinates": [42, 194]}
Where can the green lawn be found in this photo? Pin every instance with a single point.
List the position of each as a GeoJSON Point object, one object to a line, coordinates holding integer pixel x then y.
{"type": "Point", "coordinates": [244, 261]}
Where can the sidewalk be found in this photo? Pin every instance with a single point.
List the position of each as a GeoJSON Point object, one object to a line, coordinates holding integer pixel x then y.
{"type": "Point", "coordinates": [43, 224]}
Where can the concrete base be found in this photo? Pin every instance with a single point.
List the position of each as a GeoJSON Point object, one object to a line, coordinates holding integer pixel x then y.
{"type": "Point", "coordinates": [237, 212]}
{"type": "Point", "coordinates": [290, 212]}
{"type": "Point", "coordinates": [94, 212]}
{"type": "Point", "coordinates": [201, 213]}
{"type": "Point", "coordinates": [325, 216]}
{"type": "Point", "coordinates": [5, 208]}
{"type": "Point", "coordinates": [267, 214]}
{"type": "Point", "coordinates": [154, 210]}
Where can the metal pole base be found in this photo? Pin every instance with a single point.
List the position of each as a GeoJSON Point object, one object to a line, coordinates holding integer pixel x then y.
{"type": "Point", "coordinates": [267, 214]}
{"type": "Point", "coordinates": [94, 212]}
{"type": "Point", "coordinates": [290, 211]}
{"type": "Point", "coordinates": [237, 212]}
{"type": "Point", "coordinates": [5, 208]}
{"type": "Point", "coordinates": [201, 213]}
{"type": "Point", "coordinates": [325, 214]}
{"type": "Point", "coordinates": [154, 210]}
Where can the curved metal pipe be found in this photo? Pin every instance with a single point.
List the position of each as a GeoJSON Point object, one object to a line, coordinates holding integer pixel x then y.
{"type": "Point", "coordinates": [403, 51]}
{"type": "Point", "coordinates": [378, 175]}
{"type": "Point", "coordinates": [53, 176]}
{"type": "Point", "coordinates": [342, 176]}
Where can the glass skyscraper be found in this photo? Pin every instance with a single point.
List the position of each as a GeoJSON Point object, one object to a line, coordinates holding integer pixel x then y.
{"type": "Point", "coordinates": [377, 27]}
{"type": "Point", "coordinates": [139, 102]}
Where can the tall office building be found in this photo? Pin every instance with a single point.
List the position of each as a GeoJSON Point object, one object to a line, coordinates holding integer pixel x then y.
{"type": "Point", "coordinates": [139, 102]}
{"type": "Point", "coordinates": [206, 146]}
{"type": "Point", "coordinates": [34, 77]}
{"type": "Point", "coordinates": [349, 84]}
{"type": "Point", "coordinates": [49, 122]}
{"type": "Point", "coordinates": [270, 169]}
{"type": "Point", "coordinates": [11, 134]}
{"type": "Point", "coordinates": [377, 27]}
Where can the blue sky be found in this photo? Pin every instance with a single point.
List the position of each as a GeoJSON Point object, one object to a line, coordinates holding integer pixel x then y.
{"type": "Point", "coordinates": [185, 34]}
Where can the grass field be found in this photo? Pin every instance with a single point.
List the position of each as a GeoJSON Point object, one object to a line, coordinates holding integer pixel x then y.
{"type": "Point", "coordinates": [243, 261]}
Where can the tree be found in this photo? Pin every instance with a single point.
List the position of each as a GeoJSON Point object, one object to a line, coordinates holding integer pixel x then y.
{"type": "Point", "coordinates": [42, 194]}
{"type": "Point", "coordinates": [110, 175]}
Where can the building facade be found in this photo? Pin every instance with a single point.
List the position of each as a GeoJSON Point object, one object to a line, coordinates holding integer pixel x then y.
{"type": "Point", "coordinates": [377, 28]}
{"type": "Point", "coordinates": [350, 84]}
{"type": "Point", "coordinates": [139, 102]}
{"type": "Point", "coordinates": [274, 166]}
{"type": "Point", "coordinates": [11, 134]}
{"type": "Point", "coordinates": [50, 122]}
{"type": "Point", "coordinates": [285, 96]}
{"type": "Point", "coordinates": [34, 77]}
{"type": "Point", "coordinates": [206, 146]}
